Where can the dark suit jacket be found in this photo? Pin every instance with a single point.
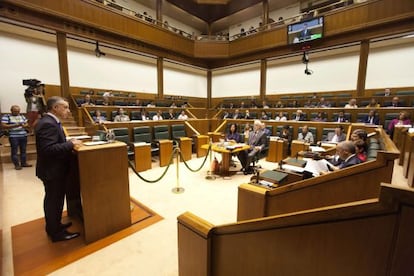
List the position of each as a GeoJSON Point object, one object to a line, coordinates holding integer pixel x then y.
{"type": "Point", "coordinates": [350, 162]}
{"type": "Point", "coordinates": [53, 151]}
{"type": "Point", "coordinates": [375, 120]}
{"type": "Point", "coordinates": [259, 140]}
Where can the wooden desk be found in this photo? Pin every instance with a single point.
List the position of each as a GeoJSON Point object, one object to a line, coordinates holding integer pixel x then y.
{"type": "Point", "coordinates": [185, 147]}
{"type": "Point", "coordinates": [225, 155]}
{"type": "Point", "coordinates": [104, 188]}
{"type": "Point", "coordinates": [166, 148]}
{"type": "Point", "coordinates": [277, 150]}
{"type": "Point", "coordinates": [298, 146]}
{"type": "Point", "coordinates": [142, 156]}
{"type": "Point", "coordinates": [409, 159]}
{"type": "Point", "coordinates": [201, 140]}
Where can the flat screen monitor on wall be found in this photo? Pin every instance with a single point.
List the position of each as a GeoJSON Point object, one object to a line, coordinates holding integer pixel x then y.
{"type": "Point", "coordinates": [306, 30]}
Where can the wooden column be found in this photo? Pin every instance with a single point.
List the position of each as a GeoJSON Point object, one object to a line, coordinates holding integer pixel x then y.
{"type": "Point", "coordinates": [160, 77]}
{"type": "Point", "coordinates": [263, 69]}
{"type": "Point", "coordinates": [63, 63]}
{"type": "Point", "coordinates": [362, 70]}
{"type": "Point", "coordinates": [265, 12]}
{"type": "Point", "coordinates": [209, 77]}
{"type": "Point", "coordinates": [159, 12]}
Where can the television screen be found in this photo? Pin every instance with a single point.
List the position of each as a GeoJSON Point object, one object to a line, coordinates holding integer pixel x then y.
{"type": "Point", "coordinates": [306, 30]}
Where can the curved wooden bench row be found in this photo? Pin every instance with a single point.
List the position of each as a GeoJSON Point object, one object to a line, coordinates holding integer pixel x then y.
{"type": "Point", "coordinates": [355, 183]}
{"type": "Point", "coordinates": [368, 237]}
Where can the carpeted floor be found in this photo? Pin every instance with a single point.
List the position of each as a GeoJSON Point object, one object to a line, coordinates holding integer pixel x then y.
{"type": "Point", "coordinates": [35, 254]}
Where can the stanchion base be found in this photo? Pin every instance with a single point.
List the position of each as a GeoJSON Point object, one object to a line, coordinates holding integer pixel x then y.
{"type": "Point", "coordinates": [210, 176]}
{"type": "Point", "coordinates": [178, 190]}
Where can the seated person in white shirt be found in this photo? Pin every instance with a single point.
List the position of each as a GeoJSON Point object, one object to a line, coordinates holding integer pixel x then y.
{"type": "Point", "coordinates": [337, 136]}
{"type": "Point", "coordinates": [158, 116]}
{"type": "Point", "coordinates": [281, 117]}
{"type": "Point", "coordinates": [182, 116]}
{"type": "Point", "coordinates": [306, 136]}
{"type": "Point", "coordinates": [122, 116]}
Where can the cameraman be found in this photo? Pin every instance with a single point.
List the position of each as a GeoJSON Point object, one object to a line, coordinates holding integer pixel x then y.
{"type": "Point", "coordinates": [16, 124]}
{"type": "Point", "coordinates": [35, 104]}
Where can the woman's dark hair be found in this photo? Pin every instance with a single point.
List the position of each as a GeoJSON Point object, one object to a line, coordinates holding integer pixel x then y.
{"type": "Point", "coordinates": [233, 124]}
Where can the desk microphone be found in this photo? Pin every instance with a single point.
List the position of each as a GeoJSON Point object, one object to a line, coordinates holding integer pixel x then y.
{"type": "Point", "coordinates": [280, 164]}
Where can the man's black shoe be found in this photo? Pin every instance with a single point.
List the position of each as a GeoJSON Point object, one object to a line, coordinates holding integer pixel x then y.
{"type": "Point", "coordinates": [64, 236]}
{"type": "Point", "coordinates": [27, 165]}
{"type": "Point", "coordinates": [66, 225]}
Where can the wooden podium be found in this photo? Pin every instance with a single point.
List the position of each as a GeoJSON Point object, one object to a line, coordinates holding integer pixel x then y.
{"type": "Point", "coordinates": [104, 189]}
{"type": "Point", "coordinates": [186, 148]}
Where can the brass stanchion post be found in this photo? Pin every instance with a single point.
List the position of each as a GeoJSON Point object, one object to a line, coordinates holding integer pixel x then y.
{"type": "Point", "coordinates": [210, 175]}
{"type": "Point", "coordinates": [178, 189]}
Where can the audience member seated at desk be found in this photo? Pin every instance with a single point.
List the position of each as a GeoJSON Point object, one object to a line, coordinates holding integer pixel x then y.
{"type": "Point", "coordinates": [233, 136]}
{"type": "Point", "coordinates": [226, 115]}
{"type": "Point", "coordinates": [359, 134]}
{"type": "Point", "coordinates": [247, 114]}
{"type": "Point", "coordinates": [257, 141]}
{"type": "Point", "coordinates": [121, 117]}
{"type": "Point", "coordinates": [341, 118]}
{"type": "Point", "coordinates": [305, 136]}
{"type": "Point", "coordinates": [246, 132]}
{"type": "Point", "coordinates": [280, 117]}
{"type": "Point", "coordinates": [158, 116]}
{"type": "Point", "coordinates": [237, 114]}
{"type": "Point", "coordinates": [351, 104]}
{"type": "Point", "coordinates": [106, 102]}
{"type": "Point", "coordinates": [373, 104]}
{"type": "Point", "coordinates": [320, 117]}
{"type": "Point", "coordinates": [337, 136]}
{"type": "Point", "coordinates": [264, 116]}
{"type": "Point", "coordinates": [171, 115]}
{"type": "Point", "coordinates": [286, 136]}
{"type": "Point", "coordinates": [87, 101]}
{"type": "Point", "coordinates": [395, 102]}
{"type": "Point", "coordinates": [361, 150]}
{"type": "Point", "coordinates": [98, 117]}
{"type": "Point", "coordinates": [345, 157]}
{"type": "Point", "coordinates": [182, 116]}
{"type": "Point", "coordinates": [372, 118]}
{"type": "Point", "coordinates": [299, 116]}
{"type": "Point", "coordinates": [401, 120]}
{"type": "Point", "coordinates": [322, 103]}
{"type": "Point", "coordinates": [143, 116]}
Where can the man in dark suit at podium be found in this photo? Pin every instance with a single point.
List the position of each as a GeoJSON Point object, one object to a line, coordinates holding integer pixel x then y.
{"type": "Point", "coordinates": [53, 159]}
{"type": "Point", "coordinates": [257, 141]}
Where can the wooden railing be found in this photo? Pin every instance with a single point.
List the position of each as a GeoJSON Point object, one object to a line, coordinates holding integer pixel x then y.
{"type": "Point", "coordinates": [368, 237]}
{"type": "Point", "coordinates": [355, 183]}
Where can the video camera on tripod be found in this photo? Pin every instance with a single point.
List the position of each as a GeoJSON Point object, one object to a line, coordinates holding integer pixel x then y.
{"type": "Point", "coordinates": [33, 84]}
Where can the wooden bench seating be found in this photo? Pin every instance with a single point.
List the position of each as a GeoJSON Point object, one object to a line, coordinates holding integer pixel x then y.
{"type": "Point", "coordinates": [350, 184]}
{"type": "Point", "coordinates": [368, 237]}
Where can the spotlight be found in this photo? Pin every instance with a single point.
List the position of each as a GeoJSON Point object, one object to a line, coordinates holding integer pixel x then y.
{"type": "Point", "coordinates": [98, 52]}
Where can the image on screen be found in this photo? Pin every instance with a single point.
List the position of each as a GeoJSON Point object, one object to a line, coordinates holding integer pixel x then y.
{"type": "Point", "coordinates": [307, 30]}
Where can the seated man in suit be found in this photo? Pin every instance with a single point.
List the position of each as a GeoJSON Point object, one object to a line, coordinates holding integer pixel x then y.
{"type": "Point", "coordinates": [337, 136]}
{"type": "Point", "coordinates": [306, 136]}
{"type": "Point", "coordinates": [257, 141]}
{"type": "Point", "coordinates": [347, 155]}
{"type": "Point", "coordinates": [372, 118]}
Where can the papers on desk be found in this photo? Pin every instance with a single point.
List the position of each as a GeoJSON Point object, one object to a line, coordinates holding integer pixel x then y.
{"type": "Point", "coordinates": [293, 168]}
{"type": "Point", "coordinates": [317, 166]}
{"type": "Point", "coordinates": [316, 149]}
{"type": "Point", "coordinates": [94, 143]}
{"type": "Point", "coordinates": [80, 137]}
{"type": "Point", "coordinates": [235, 146]}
